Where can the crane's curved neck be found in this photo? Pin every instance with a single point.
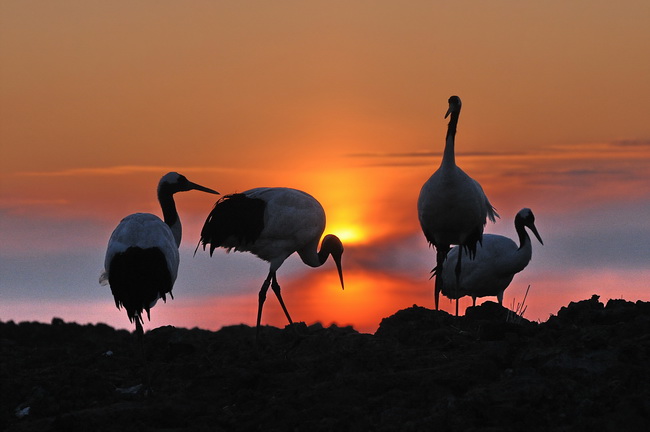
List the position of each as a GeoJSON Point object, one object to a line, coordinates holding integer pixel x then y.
{"type": "Point", "coordinates": [524, 238]}
{"type": "Point", "coordinates": [314, 258]}
{"type": "Point", "coordinates": [331, 245]}
{"type": "Point", "coordinates": [170, 215]}
{"type": "Point", "coordinates": [449, 156]}
{"type": "Point", "coordinates": [522, 257]}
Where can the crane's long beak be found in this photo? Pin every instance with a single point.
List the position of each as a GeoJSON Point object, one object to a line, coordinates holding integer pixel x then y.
{"type": "Point", "coordinates": [534, 230]}
{"type": "Point", "coordinates": [202, 188]}
{"type": "Point", "coordinates": [337, 260]}
{"type": "Point", "coordinates": [454, 105]}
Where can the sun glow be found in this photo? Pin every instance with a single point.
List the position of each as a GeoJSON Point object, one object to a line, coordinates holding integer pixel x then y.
{"type": "Point", "coordinates": [349, 234]}
{"type": "Point", "coordinates": [368, 297]}
{"type": "Point", "coordinates": [346, 204]}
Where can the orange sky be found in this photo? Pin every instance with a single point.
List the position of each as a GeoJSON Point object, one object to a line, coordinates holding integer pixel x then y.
{"type": "Point", "coordinates": [344, 100]}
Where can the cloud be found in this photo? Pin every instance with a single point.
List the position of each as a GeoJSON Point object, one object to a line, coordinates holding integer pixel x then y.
{"type": "Point", "coordinates": [422, 154]}
{"type": "Point", "coordinates": [418, 158]}
{"type": "Point", "coordinates": [120, 170]}
{"type": "Point", "coordinates": [222, 273]}
{"type": "Point", "coordinates": [613, 236]}
{"type": "Point", "coordinates": [19, 202]}
{"type": "Point", "coordinates": [561, 155]}
{"type": "Point", "coordinates": [396, 255]}
{"type": "Point", "coordinates": [48, 277]}
{"type": "Point", "coordinates": [588, 178]}
{"type": "Point", "coordinates": [631, 143]}
{"type": "Point", "coordinates": [27, 235]}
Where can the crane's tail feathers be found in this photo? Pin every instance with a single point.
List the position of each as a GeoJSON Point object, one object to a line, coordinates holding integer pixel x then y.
{"type": "Point", "coordinates": [470, 249]}
{"type": "Point", "coordinates": [197, 248]}
{"type": "Point", "coordinates": [492, 213]}
{"type": "Point", "coordinates": [137, 318]}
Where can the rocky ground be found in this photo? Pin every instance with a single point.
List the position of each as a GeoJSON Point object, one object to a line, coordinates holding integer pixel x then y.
{"type": "Point", "coordinates": [586, 368]}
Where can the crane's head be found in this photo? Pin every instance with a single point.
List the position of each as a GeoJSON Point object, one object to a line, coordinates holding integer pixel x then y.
{"type": "Point", "coordinates": [332, 245]}
{"type": "Point", "coordinates": [174, 182]}
{"type": "Point", "coordinates": [526, 218]}
{"type": "Point", "coordinates": [454, 105]}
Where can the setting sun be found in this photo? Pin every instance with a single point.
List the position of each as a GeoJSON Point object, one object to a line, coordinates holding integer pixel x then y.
{"type": "Point", "coordinates": [348, 234]}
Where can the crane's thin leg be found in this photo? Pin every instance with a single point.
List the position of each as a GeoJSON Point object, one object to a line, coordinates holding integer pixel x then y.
{"type": "Point", "coordinates": [262, 298]}
{"type": "Point", "coordinates": [457, 271]}
{"type": "Point", "coordinates": [139, 332]}
{"type": "Point", "coordinates": [146, 375]}
{"type": "Point", "coordinates": [139, 337]}
{"type": "Point", "coordinates": [436, 294]}
{"type": "Point", "coordinates": [276, 289]}
{"type": "Point", "coordinates": [441, 255]}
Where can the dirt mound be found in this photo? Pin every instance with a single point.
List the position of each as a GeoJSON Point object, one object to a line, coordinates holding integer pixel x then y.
{"type": "Point", "coordinates": [584, 369]}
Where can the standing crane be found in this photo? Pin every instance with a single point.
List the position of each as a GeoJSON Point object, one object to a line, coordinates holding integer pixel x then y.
{"type": "Point", "coordinates": [142, 257]}
{"type": "Point", "coordinates": [452, 207]}
{"type": "Point", "coordinates": [497, 260]}
{"type": "Point", "coordinates": [272, 223]}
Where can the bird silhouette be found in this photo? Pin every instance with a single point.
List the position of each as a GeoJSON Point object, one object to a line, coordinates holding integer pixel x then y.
{"type": "Point", "coordinates": [142, 257]}
{"type": "Point", "coordinates": [272, 223]}
{"type": "Point", "coordinates": [452, 207]}
{"type": "Point", "coordinates": [497, 260]}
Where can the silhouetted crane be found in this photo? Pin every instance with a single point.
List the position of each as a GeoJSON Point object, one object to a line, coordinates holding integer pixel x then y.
{"type": "Point", "coordinates": [272, 223]}
{"type": "Point", "coordinates": [452, 207]}
{"type": "Point", "coordinates": [497, 260]}
{"type": "Point", "coordinates": [142, 258]}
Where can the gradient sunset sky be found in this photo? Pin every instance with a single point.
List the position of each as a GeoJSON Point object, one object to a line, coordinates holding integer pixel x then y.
{"type": "Point", "coordinates": [342, 99]}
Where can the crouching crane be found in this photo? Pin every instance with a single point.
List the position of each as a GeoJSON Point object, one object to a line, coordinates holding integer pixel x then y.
{"type": "Point", "coordinates": [497, 260]}
{"type": "Point", "coordinates": [272, 223]}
